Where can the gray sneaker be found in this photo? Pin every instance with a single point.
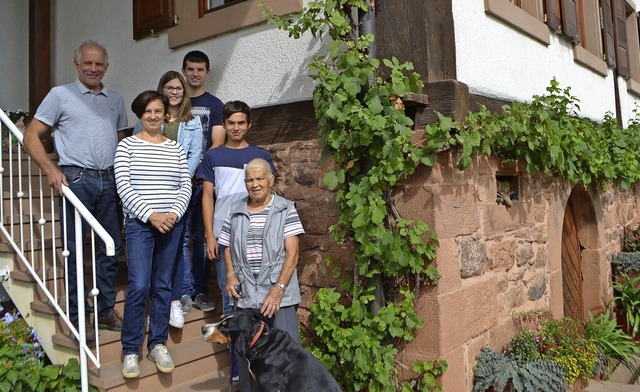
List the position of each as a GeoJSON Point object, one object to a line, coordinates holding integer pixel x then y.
{"type": "Point", "coordinates": [130, 367]}
{"type": "Point", "coordinates": [160, 355]}
{"type": "Point", "coordinates": [202, 302]}
{"type": "Point", "coordinates": [187, 304]}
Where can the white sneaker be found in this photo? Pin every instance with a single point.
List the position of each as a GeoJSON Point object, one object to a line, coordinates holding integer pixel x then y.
{"type": "Point", "coordinates": [176, 319]}
{"type": "Point", "coordinates": [160, 355]}
{"type": "Point", "coordinates": [130, 367]}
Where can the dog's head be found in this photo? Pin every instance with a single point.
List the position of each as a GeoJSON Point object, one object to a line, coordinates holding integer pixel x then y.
{"type": "Point", "coordinates": [239, 328]}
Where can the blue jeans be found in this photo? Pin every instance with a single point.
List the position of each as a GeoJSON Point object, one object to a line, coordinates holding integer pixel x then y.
{"type": "Point", "coordinates": [196, 268]}
{"type": "Point", "coordinates": [96, 189]}
{"type": "Point", "coordinates": [151, 257]}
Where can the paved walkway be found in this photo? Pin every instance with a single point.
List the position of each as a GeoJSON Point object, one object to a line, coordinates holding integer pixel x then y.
{"type": "Point", "coordinates": [608, 386]}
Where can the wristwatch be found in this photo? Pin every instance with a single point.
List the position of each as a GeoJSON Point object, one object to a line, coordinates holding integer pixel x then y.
{"type": "Point", "coordinates": [281, 285]}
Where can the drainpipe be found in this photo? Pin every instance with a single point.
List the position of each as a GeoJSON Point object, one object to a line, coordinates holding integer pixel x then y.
{"type": "Point", "coordinates": [616, 92]}
{"type": "Point", "coordinates": [368, 26]}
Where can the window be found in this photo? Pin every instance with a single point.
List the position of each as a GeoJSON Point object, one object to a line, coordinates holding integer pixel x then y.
{"type": "Point", "coordinates": [207, 18]}
{"type": "Point", "coordinates": [212, 5]}
{"type": "Point", "coordinates": [523, 15]}
{"type": "Point", "coordinates": [151, 16]}
{"type": "Point", "coordinates": [627, 44]}
{"type": "Point", "coordinates": [588, 50]}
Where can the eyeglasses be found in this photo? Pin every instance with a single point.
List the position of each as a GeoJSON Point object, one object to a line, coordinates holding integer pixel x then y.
{"type": "Point", "coordinates": [171, 89]}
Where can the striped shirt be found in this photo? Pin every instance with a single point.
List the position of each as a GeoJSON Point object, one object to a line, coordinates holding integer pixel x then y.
{"type": "Point", "coordinates": [257, 221]}
{"type": "Point", "coordinates": [152, 177]}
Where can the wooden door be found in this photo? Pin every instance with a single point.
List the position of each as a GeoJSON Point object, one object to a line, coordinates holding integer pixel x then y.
{"type": "Point", "coordinates": [571, 266]}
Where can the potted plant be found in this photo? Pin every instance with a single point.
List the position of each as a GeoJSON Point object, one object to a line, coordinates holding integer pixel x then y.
{"type": "Point", "coordinates": [627, 303]}
{"type": "Point", "coordinates": [613, 343]}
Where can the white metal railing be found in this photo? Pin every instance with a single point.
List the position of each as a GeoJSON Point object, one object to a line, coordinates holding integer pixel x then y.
{"type": "Point", "coordinates": [44, 266]}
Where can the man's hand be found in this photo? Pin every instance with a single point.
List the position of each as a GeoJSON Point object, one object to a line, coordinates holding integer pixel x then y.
{"type": "Point", "coordinates": [56, 179]}
{"type": "Point", "coordinates": [213, 251]}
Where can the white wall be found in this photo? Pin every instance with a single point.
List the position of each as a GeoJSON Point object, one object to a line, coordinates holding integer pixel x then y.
{"type": "Point", "coordinates": [495, 60]}
{"type": "Point", "coordinates": [14, 55]}
{"type": "Point", "coordinates": [259, 65]}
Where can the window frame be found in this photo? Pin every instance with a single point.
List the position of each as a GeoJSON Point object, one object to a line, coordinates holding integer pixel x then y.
{"type": "Point", "coordinates": [192, 27]}
{"type": "Point", "coordinates": [519, 18]}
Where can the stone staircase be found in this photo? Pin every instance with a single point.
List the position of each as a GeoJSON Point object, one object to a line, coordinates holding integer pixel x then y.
{"type": "Point", "coordinates": [199, 365]}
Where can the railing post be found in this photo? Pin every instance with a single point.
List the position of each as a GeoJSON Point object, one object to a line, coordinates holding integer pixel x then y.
{"type": "Point", "coordinates": [84, 376]}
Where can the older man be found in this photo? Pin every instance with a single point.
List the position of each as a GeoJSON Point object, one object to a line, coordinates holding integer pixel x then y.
{"type": "Point", "coordinates": [86, 119]}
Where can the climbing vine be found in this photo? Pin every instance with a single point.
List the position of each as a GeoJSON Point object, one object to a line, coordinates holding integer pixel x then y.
{"type": "Point", "coordinates": [549, 137]}
{"type": "Point", "coordinates": [364, 129]}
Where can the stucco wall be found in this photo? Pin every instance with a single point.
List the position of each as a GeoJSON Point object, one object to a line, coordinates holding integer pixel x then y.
{"type": "Point", "coordinates": [259, 65]}
{"type": "Point", "coordinates": [14, 55]}
{"type": "Point", "coordinates": [496, 60]}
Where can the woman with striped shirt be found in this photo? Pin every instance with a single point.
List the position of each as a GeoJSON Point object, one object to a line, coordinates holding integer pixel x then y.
{"type": "Point", "coordinates": [153, 181]}
{"type": "Point", "coordinates": [261, 235]}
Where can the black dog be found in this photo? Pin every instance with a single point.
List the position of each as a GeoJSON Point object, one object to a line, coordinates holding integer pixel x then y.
{"type": "Point", "coordinates": [276, 362]}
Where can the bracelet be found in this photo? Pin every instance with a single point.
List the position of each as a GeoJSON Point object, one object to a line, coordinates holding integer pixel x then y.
{"type": "Point", "coordinates": [281, 285]}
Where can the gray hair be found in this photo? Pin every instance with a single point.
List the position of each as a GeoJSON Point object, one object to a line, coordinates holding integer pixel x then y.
{"type": "Point", "coordinates": [90, 44]}
{"type": "Point", "coordinates": [262, 164]}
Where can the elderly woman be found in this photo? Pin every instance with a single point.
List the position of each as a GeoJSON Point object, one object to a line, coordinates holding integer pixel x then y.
{"type": "Point", "coordinates": [153, 181]}
{"type": "Point", "coordinates": [261, 234]}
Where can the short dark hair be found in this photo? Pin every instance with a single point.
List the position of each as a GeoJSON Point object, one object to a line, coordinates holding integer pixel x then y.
{"type": "Point", "coordinates": [232, 107]}
{"type": "Point", "coordinates": [140, 103]}
{"type": "Point", "coordinates": [195, 56]}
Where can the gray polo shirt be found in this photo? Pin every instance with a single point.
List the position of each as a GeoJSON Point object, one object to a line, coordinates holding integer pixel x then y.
{"type": "Point", "coordinates": [85, 124]}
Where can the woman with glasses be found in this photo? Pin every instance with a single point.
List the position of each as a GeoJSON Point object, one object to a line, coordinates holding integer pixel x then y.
{"type": "Point", "coordinates": [185, 128]}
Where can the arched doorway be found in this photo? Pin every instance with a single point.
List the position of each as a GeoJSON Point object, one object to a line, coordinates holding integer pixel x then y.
{"type": "Point", "coordinates": [581, 261]}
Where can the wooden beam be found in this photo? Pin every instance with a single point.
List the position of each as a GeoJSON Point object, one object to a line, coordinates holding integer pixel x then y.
{"type": "Point", "coordinates": [39, 51]}
{"type": "Point", "coordinates": [420, 31]}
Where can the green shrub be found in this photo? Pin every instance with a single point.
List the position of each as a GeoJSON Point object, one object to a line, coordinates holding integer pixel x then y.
{"type": "Point", "coordinates": [499, 371]}
{"type": "Point", "coordinates": [627, 298]}
{"type": "Point", "coordinates": [627, 262]}
{"type": "Point", "coordinates": [23, 364]}
{"type": "Point", "coordinates": [603, 331]}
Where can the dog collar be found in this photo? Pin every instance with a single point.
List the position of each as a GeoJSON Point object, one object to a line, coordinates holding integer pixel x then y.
{"type": "Point", "coordinates": [257, 335]}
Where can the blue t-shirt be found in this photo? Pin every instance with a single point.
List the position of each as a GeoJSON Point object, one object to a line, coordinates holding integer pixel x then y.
{"type": "Point", "coordinates": [209, 109]}
{"type": "Point", "coordinates": [224, 168]}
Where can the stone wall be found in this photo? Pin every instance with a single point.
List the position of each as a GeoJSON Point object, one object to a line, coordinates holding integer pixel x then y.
{"type": "Point", "coordinates": [494, 260]}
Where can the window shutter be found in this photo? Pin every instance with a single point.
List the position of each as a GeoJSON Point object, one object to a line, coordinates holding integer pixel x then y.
{"type": "Point", "coordinates": [607, 32]}
{"type": "Point", "coordinates": [531, 7]}
{"type": "Point", "coordinates": [554, 18]}
{"type": "Point", "coordinates": [570, 26]}
{"type": "Point", "coordinates": [151, 16]}
{"type": "Point", "coordinates": [620, 29]}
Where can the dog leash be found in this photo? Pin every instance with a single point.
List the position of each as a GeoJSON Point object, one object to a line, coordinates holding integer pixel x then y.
{"type": "Point", "coordinates": [232, 350]}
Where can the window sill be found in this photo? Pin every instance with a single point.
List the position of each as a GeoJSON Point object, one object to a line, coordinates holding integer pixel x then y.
{"type": "Point", "coordinates": [193, 28]}
{"type": "Point", "coordinates": [590, 60]}
{"type": "Point", "coordinates": [518, 19]}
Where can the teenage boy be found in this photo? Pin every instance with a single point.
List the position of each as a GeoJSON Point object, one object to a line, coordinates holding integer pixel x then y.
{"type": "Point", "coordinates": [222, 175]}
{"type": "Point", "coordinates": [196, 69]}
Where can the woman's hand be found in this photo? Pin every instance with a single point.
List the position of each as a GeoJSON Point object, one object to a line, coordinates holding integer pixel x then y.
{"type": "Point", "coordinates": [163, 222]}
{"type": "Point", "coordinates": [271, 303]}
{"type": "Point", "coordinates": [232, 282]}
